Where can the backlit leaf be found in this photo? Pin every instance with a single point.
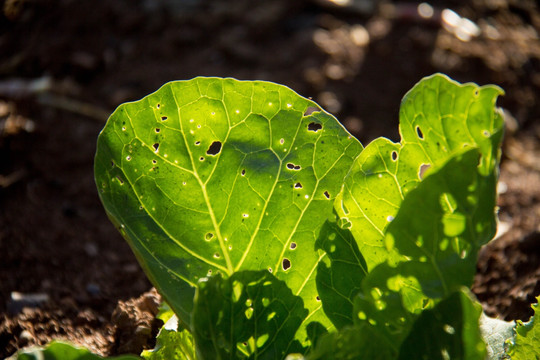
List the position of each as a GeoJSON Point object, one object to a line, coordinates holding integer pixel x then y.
{"type": "Point", "coordinates": [251, 315]}
{"type": "Point", "coordinates": [218, 175]}
{"type": "Point", "coordinates": [526, 344]}
{"type": "Point", "coordinates": [437, 118]}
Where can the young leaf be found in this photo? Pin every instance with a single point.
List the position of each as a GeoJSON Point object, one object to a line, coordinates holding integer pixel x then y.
{"type": "Point", "coordinates": [251, 314]}
{"type": "Point", "coordinates": [437, 118]}
{"type": "Point", "coordinates": [172, 343]}
{"type": "Point", "coordinates": [58, 350]}
{"type": "Point", "coordinates": [526, 344]}
{"type": "Point", "coordinates": [218, 175]}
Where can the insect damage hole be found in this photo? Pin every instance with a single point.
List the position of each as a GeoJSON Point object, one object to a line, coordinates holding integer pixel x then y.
{"type": "Point", "coordinates": [310, 110]}
{"type": "Point", "coordinates": [327, 195]}
{"type": "Point", "coordinates": [163, 118]}
{"type": "Point", "coordinates": [313, 126]}
{"type": "Point", "coordinates": [422, 170]}
{"type": "Point", "coordinates": [394, 155]}
{"type": "Point", "coordinates": [297, 185]}
{"type": "Point", "coordinates": [156, 147]}
{"type": "Point", "coordinates": [286, 264]}
{"type": "Point", "coordinates": [243, 172]}
{"type": "Point", "coordinates": [419, 133]}
{"type": "Point", "coordinates": [293, 246]}
{"type": "Point", "coordinates": [214, 148]}
{"type": "Point", "coordinates": [291, 166]}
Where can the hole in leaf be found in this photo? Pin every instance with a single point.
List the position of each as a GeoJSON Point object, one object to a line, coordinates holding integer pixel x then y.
{"type": "Point", "coordinates": [156, 147]}
{"type": "Point", "coordinates": [216, 255]}
{"type": "Point", "coordinates": [214, 149]}
{"type": "Point", "coordinates": [201, 158]}
{"type": "Point", "coordinates": [293, 246]}
{"type": "Point", "coordinates": [208, 236]}
{"type": "Point", "coordinates": [298, 186]}
{"type": "Point", "coordinates": [326, 194]}
{"type": "Point", "coordinates": [120, 180]}
{"type": "Point", "coordinates": [286, 264]}
{"type": "Point", "coordinates": [317, 298]}
{"type": "Point", "coordinates": [310, 110]}
{"type": "Point", "coordinates": [394, 155]}
{"type": "Point", "coordinates": [270, 270]}
{"type": "Point", "coordinates": [243, 172]}
{"type": "Point", "coordinates": [128, 158]}
{"type": "Point", "coordinates": [282, 141]}
{"type": "Point", "coordinates": [313, 126]}
{"type": "Point", "coordinates": [163, 118]}
{"type": "Point", "coordinates": [261, 340]}
{"type": "Point", "coordinates": [419, 133]}
{"type": "Point", "coordinates": [449, 329]}
{"type": "Point", "coordinates": [158, 130]}
{"type": "Point", "coordinates": [154, 161]}
{"type": "Point", "coordinates": [158, 105]}
{"type": "Point", "coordinates": [422, 170]}
{"type": "Point", "coordinates": [197, 143]}
{"type": "Point", "coordinates": [291, 166]}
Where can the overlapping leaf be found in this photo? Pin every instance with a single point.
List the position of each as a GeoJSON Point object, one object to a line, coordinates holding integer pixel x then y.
{"type": "Point", "coordinates": [437, 118]}
{"type": "Point", "coordinates": [217, 175]}
{"type": "Point", "coordinates": [340, 273]}
{"type": "Point", "coordinates": [249, 315]}
{"type": "Point", "coordinates": [448, 331]}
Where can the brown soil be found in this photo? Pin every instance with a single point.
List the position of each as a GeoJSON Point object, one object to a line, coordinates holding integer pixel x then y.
{"type": "Point", "coordinates": [55, 239]}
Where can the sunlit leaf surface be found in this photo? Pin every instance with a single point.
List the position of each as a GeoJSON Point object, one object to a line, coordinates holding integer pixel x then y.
{"type": "Point", "coordinates": [217, 175]}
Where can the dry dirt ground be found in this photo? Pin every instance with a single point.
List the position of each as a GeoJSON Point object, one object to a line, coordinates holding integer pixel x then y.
{"type": "Point", "coordinates": [66, 64]}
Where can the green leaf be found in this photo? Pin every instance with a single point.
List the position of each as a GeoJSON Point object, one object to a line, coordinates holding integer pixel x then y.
{"type": "Point", "coordinates": [218, 175]}
{"type": "Point", "coordinates": [171, 343]}
{"type": "Point", "coordinates": [57, 350]}
{"type": "Point", "coordinates": [438, 117]}
{"type": "Point", "coordinates": [448, 331]}
{"type": "Point", "coordinates": [358, 342]}
{"type": "Point", "coordinates": [340, 273]}
{"type": "Point", "coordinates": [251, 315]}
{"type": "Point", "coordinates": [526, 345]}
{"type": "Point", "coordinates": [432, 260]}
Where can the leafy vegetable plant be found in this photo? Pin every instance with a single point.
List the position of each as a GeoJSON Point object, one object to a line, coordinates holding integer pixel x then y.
{"type": "Point", "coordinates": [273, 233]}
